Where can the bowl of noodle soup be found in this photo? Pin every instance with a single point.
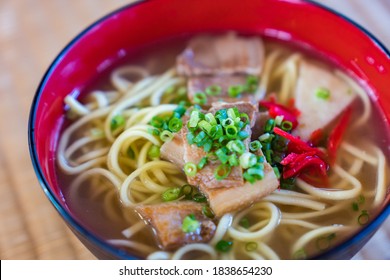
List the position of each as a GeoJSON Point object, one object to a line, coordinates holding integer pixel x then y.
{"type": "Point", "coordinates": [151, 147]}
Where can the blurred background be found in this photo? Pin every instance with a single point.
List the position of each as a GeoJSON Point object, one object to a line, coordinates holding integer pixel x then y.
{"type": "Point", "coordinates": [32, 33]}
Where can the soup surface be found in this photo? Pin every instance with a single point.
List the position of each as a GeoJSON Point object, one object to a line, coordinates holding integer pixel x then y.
{"type": "Point", "coordinates": [224, 147]}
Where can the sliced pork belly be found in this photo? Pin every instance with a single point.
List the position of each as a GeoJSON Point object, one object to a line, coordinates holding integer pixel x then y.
{"type": "Point", "coordinates": [227, 200]}
{"type": "Point", "coordinates": [167, 219]}
{"type": "Point", "coordinates": [173, 150]}
{"type": "Point", "coordinates": [317, 113]}
{"type": "Point", "coordinates": [259, 124]}
{"type": "Point", "coordinates": [205, 176]}
{"type": "Point", "coordinates": [223, 54]}
{"type": "Point", "coordinates": [199, 84]}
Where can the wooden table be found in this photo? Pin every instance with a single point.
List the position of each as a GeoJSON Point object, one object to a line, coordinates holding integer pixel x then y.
{"type": "Point", "coordinates": [32, 32]}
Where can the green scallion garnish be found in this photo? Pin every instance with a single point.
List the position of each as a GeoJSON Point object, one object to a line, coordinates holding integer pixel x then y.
{"type": "Point", "coordinates": [187, 191]}
{"type": "Point", "coordinates": [323, 242]}
{"type": "Point", "coordinates": [202, 163]}
{"type": "Point", "coordinates": [117, 122]}
{"type": "Point", "coordinates": [213, 90]}
{"type": "Point", "coordinates": [235, 91]}
{"type": "Point", "coordinates": [170, 194]}
{"type": "Point", "coordinates": [224, 246]}
{"type": "Point", "coordinates": [300, 254]}
{"type": "Point", "coordinates": [175, 124]}
{"type": "Point", "coordinates": [154, 152]}
{"type": "Point", "coordinates": [247, 160]}
{"type": "Point", "coordinates": [255, 146]}
{"type": "Point", "coordinates": [190, 224]}
{"type": "Point", "coordinates": [322, 93]}
{"type": "Point", "coordinates": [190, 169]}
{"type": "Point", "coordinates": [251, 246]}
{"type": "Point", "coordinates": [166, 135]}
{"type": "Point", "coordinates": [363, 218]}
{"type": "Point", "coordinates": [199, 197]}
{"type": "Point", "coordinates": [208, 212]}
{"type": "Point", "coordinates": [222, 171]}
{"type": "Point", "coordinates": [200, 98]}
{"type": "Point", "coordinates": [244, 222]}
{"type": "Point", "coordinates": [286, 125]}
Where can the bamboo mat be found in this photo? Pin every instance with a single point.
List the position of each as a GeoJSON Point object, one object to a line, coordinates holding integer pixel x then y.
{"type": "Point", "coordinates": [32, 32]}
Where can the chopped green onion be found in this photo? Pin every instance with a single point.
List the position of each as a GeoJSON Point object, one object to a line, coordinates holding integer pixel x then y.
{"type": "Point", "coordinates": [154, 152]}
{"type": "Point", "coordinates": [264, 137]}
{"type": "Point", "coordinates": [222, 156]}
{"type": "Point", "coordinates": [244, 222]}
{"type": "Point", "coordinates": [190, 138]}
{"type": "Point", "coordinates": [286, 125]}
{"type": "Point", "coordinates": [227, 122]}
{"type": "Point", "coordinates": [255, 146]}
{"type": "Point", "coordinates": [233, 161]}
{"type": "Point", "coordinates": [209, 117]}
{"type": "Point", "coordinates": [199, 197]}
{"type": "Point", "coordinates": [154, 131]}
{"type": "Point", "coordinates": [222, 171]}
{"type": "Point", "coordinates": [355, 206]}
{"type": "Point", "coordinates": [236, 90]}
{"type": "Point", "coordinates": [323, 242]}
{"type": "Point", "coordinates": [194, 119]}
{"type": "Point", "coordinates": [190, 169]}
{"type": "Point", "coordinates": [208, 212]}
{"type": "Point", "coordinates": [131, 153]}
{"type": "Point", "coordinates": [268, 155]}
{"type": "Point", "coordinates": [322, 93]}
{"type": "Point", "coordinates": [157, 122]}
{"type": "Point", "coordinates": [248, 177]}
{"type": "Point", "coordinates": [186, 190]}
{"type": "Point", "coordinates": [361, 199]}
{"type": "Point", "coordinates": [117, 121]}
{"type": "Point", "coordinates": [250, 246]}
{"type": "Point", "coordinates": [202, 163]}
{"type": "Point", "coordinates": [300, 254]}
{"type": "Point", "coordinates": [278, 120]}
{"type": "Point", "coordinates": [231, 131]}
{"type": "Point", "coordinates": [256, 172]}
{"type": "Point", "coordinates": [233, 114]}
{"type": "Point", "coordinates": [216, 132]}
{"type": "Point", "coordinates": [363, 218]}
{"type": "Point", "coordinates": [213, 90]}
{"type": "Point", "coordinates": [287, 184]}
{"type": "Point", "coordinates": [245, 118]}
{"type": "Point", "coordinates": [198, 138]}
{"type": "Point", "coordinates": [200, 98]}
{"type": "Point", "coordinates": [170, 194]}
{"type": "Point", "coordinates": [166, 136]}
{"type": "Point", "coordinates": [269, 125]}
{"type": "Point", "coordinates": [252, 83]}
{"type": "Point", "coordinates": [175, 124]}
{"type": "Point", "coordinates": [276, 171]}
{"type": "Point", "coordinates": [247, 160]}
{"type": "Point", "coordinates": [224, 246]}
{"type": "Point", "coordinates": [205, 126]}
{"type": "Point", "coordinates": [190, 224]}
{"type": "Point", "coordinates": [242, 135]}
{"type": "Point", "coordinates": [208, 145]}
{"type": "Point", "coordinates": [236, 146]}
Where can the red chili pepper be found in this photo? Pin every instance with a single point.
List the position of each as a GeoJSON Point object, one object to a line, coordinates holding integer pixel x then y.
{"type": "Point", "coordinates": [296, 145]}
{"type": "Point", "coordinates": [275, 110]}
{"type": "Point", "coordinates": [294, 164]}
{"type": "Point", "coordinates": [337, 134]}
{"type": "Point", "coordinates": [315, 137]}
